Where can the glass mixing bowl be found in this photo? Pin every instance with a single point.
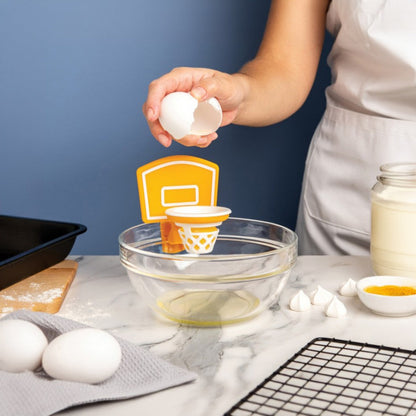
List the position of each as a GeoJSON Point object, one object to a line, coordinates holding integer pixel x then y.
{"type": "Point", "coordinates": [243, 275]}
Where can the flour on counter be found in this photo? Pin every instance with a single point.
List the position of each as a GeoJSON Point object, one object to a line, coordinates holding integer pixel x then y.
{"type": "Point", "coordinates": [5, 311]}
{"type": "Point", "coordinates": [85, 312]}
{"type": "Point", "coordinates": [47, 296]}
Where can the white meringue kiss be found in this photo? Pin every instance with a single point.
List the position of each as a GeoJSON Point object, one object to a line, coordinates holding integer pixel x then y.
{"type": "Point", "coordinates": [336, 309]}
{"type": "Point", "coordinates": [320, 296]}
{"type": "Point", "coordinates": [300, 302]}
{"type": "Point", "coordinates": [348, 288]}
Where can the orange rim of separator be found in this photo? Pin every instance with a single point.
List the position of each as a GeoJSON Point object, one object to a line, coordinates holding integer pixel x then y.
{"type": "Point", "coordinates": [200, 214]}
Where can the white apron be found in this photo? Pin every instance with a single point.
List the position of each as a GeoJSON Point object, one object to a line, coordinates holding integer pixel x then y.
{"type": "Point", "coordinates": [370, 120]}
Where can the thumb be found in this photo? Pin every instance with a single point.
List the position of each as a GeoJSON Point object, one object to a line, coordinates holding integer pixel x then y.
{"type": "Point", "coordinates": [200, 93]}
{"type": "Point", "coordinates": [221, 87]}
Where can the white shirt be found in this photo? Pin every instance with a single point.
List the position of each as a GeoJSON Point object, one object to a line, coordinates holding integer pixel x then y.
{"type": "Point", "coordinates": [373, 59]}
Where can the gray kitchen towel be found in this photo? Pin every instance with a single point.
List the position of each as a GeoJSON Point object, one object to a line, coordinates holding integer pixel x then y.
{"type": "Point", "coordinates": [36, 394]}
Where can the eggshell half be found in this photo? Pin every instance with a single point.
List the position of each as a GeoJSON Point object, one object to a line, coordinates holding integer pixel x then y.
{"type": "Point", "coordinates": [181, 114]}
{"type": "Point", "coordinates": [85, 355]}
{"type": "Point", "coordinates": [21, 345]}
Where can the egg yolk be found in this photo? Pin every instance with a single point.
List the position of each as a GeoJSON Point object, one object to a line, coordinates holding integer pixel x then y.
{"type": "Point", "coordinates": [391, 290]}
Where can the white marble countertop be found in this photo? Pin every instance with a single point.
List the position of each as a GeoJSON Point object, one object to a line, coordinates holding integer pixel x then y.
{"type": "Point", "coordinates": [232, 360]}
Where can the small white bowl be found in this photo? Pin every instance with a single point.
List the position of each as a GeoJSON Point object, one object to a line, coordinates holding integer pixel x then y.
{"type": "Point", "coordinates": [387, 305]}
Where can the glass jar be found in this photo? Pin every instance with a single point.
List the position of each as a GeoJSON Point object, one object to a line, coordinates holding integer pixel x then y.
{"type": "Point", "coordinates": [393, 220]}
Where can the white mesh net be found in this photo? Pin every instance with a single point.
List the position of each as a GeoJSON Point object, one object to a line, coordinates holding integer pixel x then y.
{"type": "Point", "coordinates": [198, 240]}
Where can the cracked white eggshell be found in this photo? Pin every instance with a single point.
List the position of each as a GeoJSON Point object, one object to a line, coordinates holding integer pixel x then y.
{"type": "Point", "coordinates": [21, 345]}
{"type": "Point", "coordinates": [181, 114]}
{"type": "Point", "coordinates": [86, 355]}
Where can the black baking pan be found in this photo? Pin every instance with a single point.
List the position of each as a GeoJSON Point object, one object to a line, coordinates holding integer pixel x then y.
{"type": "Point", "coordinates": [28, 246]}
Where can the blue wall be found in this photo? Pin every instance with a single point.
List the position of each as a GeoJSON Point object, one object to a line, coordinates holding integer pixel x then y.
{"type": "Point", "coordinates": [73, 78]}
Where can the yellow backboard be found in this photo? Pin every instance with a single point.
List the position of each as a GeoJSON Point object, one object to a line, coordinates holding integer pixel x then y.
{"type": "Point", "coordinates": [175, 181]}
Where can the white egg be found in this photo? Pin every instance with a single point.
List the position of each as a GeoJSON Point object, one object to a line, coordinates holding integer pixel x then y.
{"type": "Point", "coordinates": [21, 345]}
{"type": "Point", "coordinates": [85, 355]}
{"type": "Point", "coordinates": [181, 114]}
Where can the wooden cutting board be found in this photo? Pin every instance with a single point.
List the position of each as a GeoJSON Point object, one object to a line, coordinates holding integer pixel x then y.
{"type": "Point", "coordinates": [43, 292]}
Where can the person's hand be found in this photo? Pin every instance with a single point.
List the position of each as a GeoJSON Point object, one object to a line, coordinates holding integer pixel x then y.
{"type": "Point", "coordinates": [202, 84]}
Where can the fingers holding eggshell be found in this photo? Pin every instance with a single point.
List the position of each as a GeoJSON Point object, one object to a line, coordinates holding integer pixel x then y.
{"type": "Point", "coordinates": [186, 120]}
{"type": "Point", "coordinates": [189, 140]}
{"type": "Point", "coordinates": [205, 141]}
{"type": "Point", "coordinates": [158, 132]}
{"type": "Point", "coordinates": [164, 140]}
{"type": "Point", "coordinates": [183, 115]}
{"type": "Point", "coordinates": [178, 79]}
{"type": "Point", "coordinates": [178, 106]}
{"type": "Point", "coordinates": [158, 89]}
{"type": "Point", "coordinates": [198, 141]}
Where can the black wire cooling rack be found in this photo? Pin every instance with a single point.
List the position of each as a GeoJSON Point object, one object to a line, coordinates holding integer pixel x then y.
{"type": "Point", "coordinates": [336, 377]}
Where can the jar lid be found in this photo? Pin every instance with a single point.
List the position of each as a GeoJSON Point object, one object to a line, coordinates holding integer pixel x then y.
{"type": "Point", "coordinates": [398, 174]}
